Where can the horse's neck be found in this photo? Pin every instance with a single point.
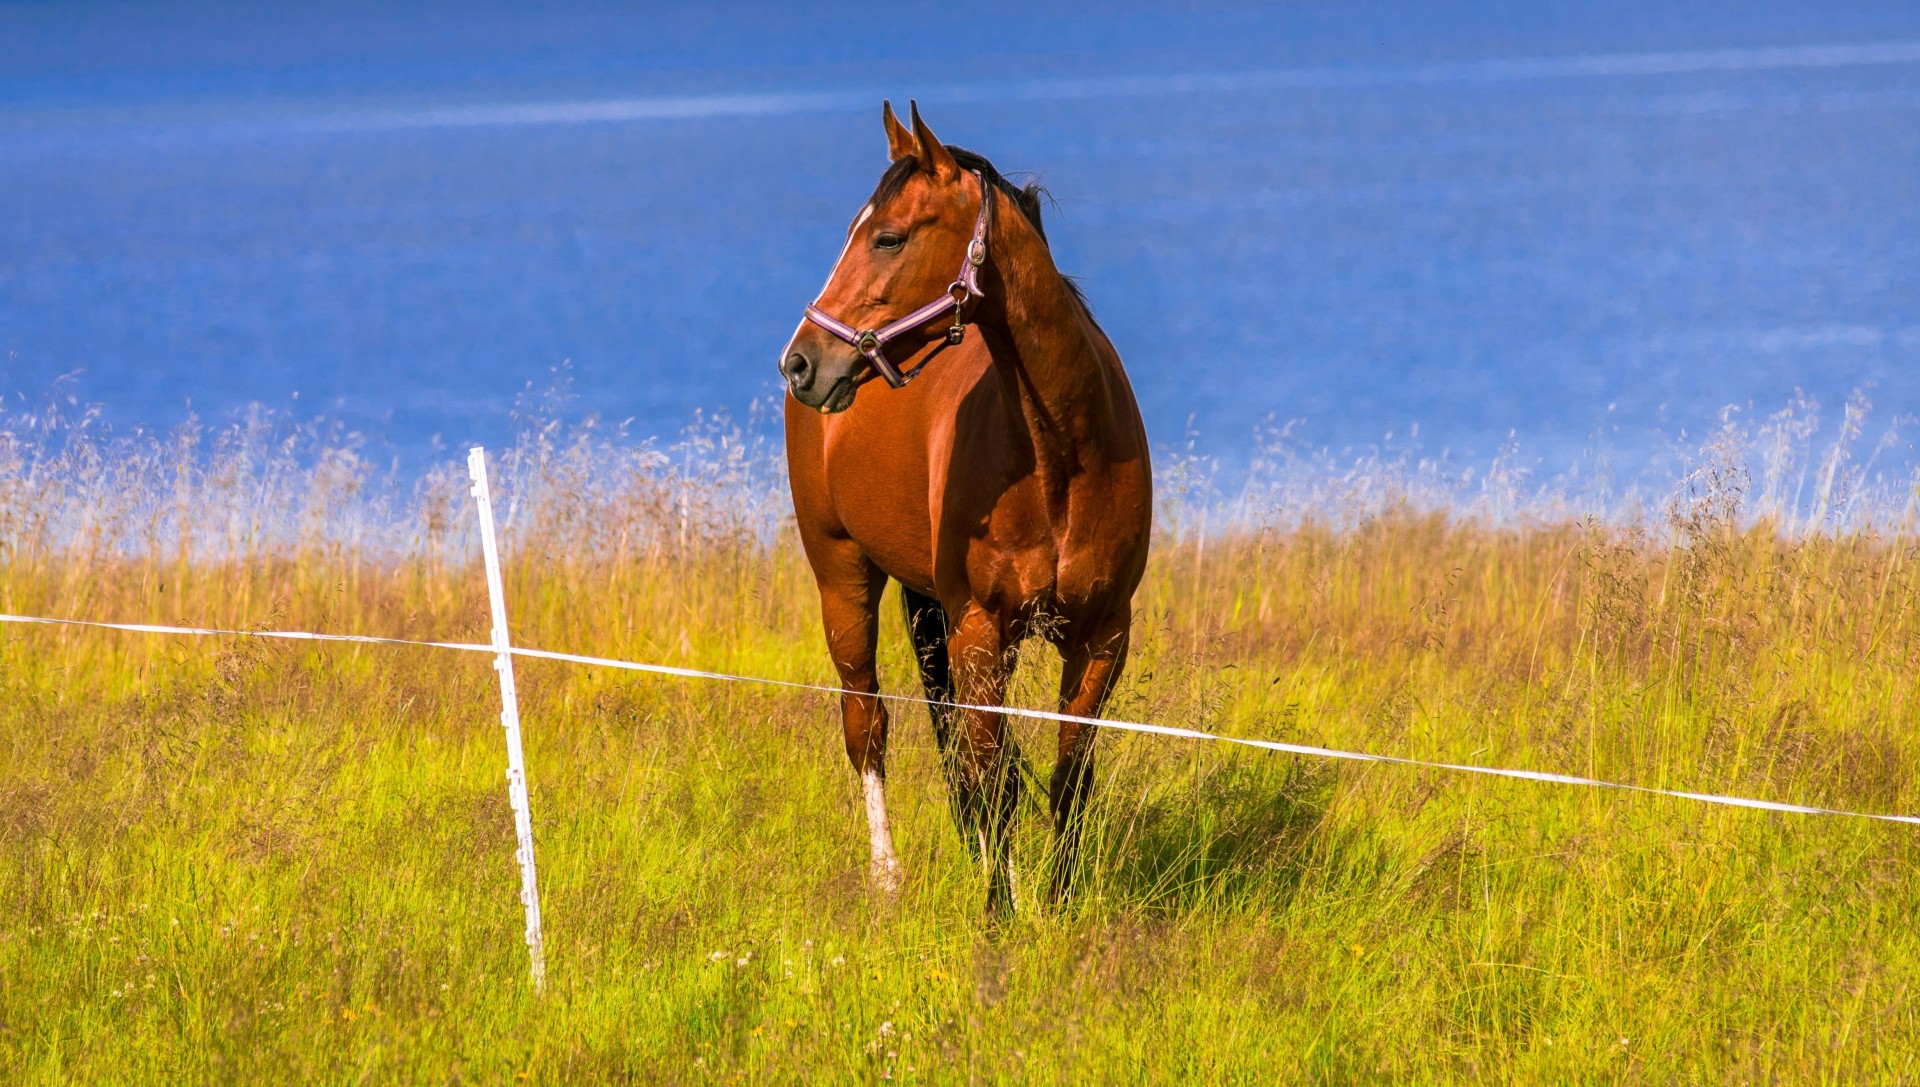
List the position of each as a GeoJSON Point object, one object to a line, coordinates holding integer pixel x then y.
{"type": "Point", "coordinates": [1050, 358]}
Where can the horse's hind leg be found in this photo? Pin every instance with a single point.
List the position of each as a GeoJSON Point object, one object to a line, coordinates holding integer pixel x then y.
{"type": "Point", "coordinates": [850, 587]}
{"type": "Point", "coordinates": [927, 622]}
{"type": "Point", "coordinates": [1090, 667]}
{"type": "Point", "coordinates": [989, 778]}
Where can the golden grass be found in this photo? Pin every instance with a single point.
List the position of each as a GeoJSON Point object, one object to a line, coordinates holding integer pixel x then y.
{"type": "Point", "coordinates": [231, 859]}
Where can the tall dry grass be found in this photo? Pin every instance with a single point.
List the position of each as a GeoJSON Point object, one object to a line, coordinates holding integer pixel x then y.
{"type": "Point", "coordinates": [226, 858]}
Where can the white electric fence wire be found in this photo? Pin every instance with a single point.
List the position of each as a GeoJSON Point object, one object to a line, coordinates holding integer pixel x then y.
{"type": "Point", "coordinates": [510, 720]}
{"type": "Point", "coordinates": [1011, 711]}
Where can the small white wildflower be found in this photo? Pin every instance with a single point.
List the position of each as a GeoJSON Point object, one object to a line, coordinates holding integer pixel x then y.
{"type": "Point", "coordinates": [717, 956]}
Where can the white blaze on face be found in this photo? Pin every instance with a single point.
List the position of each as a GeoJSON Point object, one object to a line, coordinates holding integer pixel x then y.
{"type": "Point", "coordinates": [865, 214]}
{"type": "Point", "coordinates": [886, 866]}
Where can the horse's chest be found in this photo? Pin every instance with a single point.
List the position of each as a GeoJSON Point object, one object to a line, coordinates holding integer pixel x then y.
{"type": "Point", "coordinates": [884, 507]}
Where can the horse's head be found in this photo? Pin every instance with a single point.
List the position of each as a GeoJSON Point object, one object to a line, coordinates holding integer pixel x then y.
{"type": "Point", "coordinates": [923, 221]}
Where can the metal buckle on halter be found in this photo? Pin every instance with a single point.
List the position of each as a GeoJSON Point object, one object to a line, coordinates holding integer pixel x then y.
{"type": "Point", "coordinates": [960, 294]}
{"type": "Point", "coordinates": [977, 248]}
{"type": "Point", "coordinates": [874, 351]}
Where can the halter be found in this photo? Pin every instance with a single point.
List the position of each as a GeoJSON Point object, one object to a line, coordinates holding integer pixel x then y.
{"type": "Point", "coordinates": [872, 342]}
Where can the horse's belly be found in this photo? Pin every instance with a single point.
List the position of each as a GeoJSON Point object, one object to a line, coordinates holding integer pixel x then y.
{"type": "Point", "coordinates": [996, 546]}
{"type": "Point", "coordinates": [1076, 565]}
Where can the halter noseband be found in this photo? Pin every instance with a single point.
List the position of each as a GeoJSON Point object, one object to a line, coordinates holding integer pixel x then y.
{"type": "Point", "coordinates": [872, 342]}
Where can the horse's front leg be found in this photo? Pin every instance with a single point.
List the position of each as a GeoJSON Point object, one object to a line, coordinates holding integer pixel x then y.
{"type": "Point", "coordinates": [850, 588]}
{"type": "Point", "coordinates": [1089, 668]}
{"type": "Point", "coordinates": [989, 776]}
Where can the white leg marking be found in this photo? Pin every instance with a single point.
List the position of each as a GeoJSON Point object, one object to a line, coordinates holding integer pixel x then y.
{"type": "Point", "coordinates": [886, 866]}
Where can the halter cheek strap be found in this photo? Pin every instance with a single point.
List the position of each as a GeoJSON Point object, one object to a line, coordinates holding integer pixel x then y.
{"type": "Point", "coordinates": [872, 342]}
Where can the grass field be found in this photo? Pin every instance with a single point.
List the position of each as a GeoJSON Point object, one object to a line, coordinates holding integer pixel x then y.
{"type": "Point", "coordinates": [238, 860]}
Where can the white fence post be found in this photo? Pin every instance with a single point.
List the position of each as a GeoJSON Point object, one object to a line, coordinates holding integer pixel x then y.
{"type": "Point", "coordinates": [510, 719]}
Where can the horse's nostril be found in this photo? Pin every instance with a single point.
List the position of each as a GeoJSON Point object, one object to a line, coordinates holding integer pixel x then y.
{"type": "Point", "coordinates": [798, 371]}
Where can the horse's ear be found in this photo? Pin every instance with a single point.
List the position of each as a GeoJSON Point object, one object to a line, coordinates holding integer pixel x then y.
{"type": "Point", "coordinates": [933, 155]}
{"type": "Point", "coordinates": [900, 141]}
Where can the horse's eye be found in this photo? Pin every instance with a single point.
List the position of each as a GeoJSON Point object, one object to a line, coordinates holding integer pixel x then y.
{"type": "Point", "coordinates": [889, 241]}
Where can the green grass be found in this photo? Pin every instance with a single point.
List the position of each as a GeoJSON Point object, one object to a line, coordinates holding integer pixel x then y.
{"type": "Point", "coordinates": [234, 860]}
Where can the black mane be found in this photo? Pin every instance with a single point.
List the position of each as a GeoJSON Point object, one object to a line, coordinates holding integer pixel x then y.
{"type": "Point", "coordinates": [1025, 197]}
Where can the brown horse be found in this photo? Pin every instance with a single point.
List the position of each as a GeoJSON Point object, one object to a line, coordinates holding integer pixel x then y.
{"type": "Point", "coordinates": [1007, 489]}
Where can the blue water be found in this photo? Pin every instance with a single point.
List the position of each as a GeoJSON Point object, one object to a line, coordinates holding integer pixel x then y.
{"type": "Point", "coordinates": [1577, 223]}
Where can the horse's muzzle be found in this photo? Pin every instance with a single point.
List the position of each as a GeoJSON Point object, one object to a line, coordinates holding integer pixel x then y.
{"type": "Point", "coordinates": [799, 371]}
{"type": "Point", "coordinates": [827, 386]}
